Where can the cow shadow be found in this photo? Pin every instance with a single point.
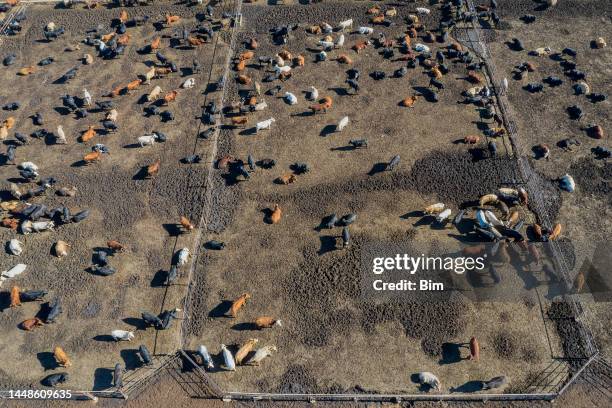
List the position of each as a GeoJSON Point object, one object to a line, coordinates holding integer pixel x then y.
{"type": "Point", "coordinates": [327, 130]}
{"type": "Point", "coordinates": [245, 326]}
{"type": "Point", "coordinates": [348, 148]}
{"type": "Point", "coordinates": [62, 110]}
{"type": "Point", "coordinates": [47, 360]}
{"type": "Point", "coordinates": [159, 279]}
{"type": "Point", "coordinates": [248, 132]}
{"type": "Point", "coordinates": [267, 213]}
{"type": "Point", "coordinates": [221, 309]}
{"type": "Point", "coordinates": [172, 229]}
{"type": "Point", "coordinates": [377, 168]}
{"type": "Point", "coordinates": [451, 353]}
{"type": "Point", "coordinates": [426, 93]}
{"type": "Point", "coordinates": [104, 338]}
{"type": "Point", "coordinates": [339, 91]}
{"type": "Point", "coordinates": [79, 163]}
{"type": "Point", "coordinates": [5, 301]}
{"type": "Point", "coordinates": [142, 174]}
{"type": "Point", "coordinates": [328, 244]}
{"type": "Point", "coordinates": [412, 214]}
{"type": "Point", "coordinates": [130, 358]}
{"type": "Point", "coordinates": [43, 312]}
{"type": "Point", "coordinates": [103, 379]}
{"type": "Point", "coordinates": [135, 322]}
{"type": "Point", "coordinates": [424, 220]}
{"type": "Point", "coordinates": [468, 387]}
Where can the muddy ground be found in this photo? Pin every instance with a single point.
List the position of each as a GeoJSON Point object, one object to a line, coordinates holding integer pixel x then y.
{"type": "Point", "coordinates": [542, 117]}
{"type": "Point", "coordinates": [140, 213]}
{"type": "Point", "coordinates": [333, 339]}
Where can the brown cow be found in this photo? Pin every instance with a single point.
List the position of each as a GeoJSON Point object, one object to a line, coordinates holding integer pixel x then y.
{"type": "Point", "coordinates": [379, 19]}
{"type": "Point", "coordinates": [243, 79]}
{"type": "Point", "coordinates": [344, 59]}
{"type": "Point", "coordinates": [556, 232]}
{"type": "Point", "coordinates": [134, 84]}
{"type": "Point", "coordinates": [245, 56]}
{"type": "Point", "coordinates": [299, 61]}
{"type": "Point", "coordinates": [245, 349]}
{"type": "Point", "coordinates": [153, 168]}
{"type": "Point", "coordinates": [241, 65]}
{"type": "Point", "coordinates": [92, 157]}
{"type": "Point", "coordinates": [172, 19]}
{"type": "Point", "coordinates": [224, 161]}
{"type": "Point", "coordinates": [31, 324]}
{"type": "Point", "coordinates": [253, 44]}
{"type": "Point", "coordinates": [471, 139]}
{"type": "Point", "coordinates": [116, 92]}
{"type": "Point", "coordinates": [319, 107]}
{"type": "Point", "coordinates": [15, 299]}
{"type": "Point", "coordinates": [474, 349]}
{"type": "Point", "coordinates": [276, 215]}
{"type": "Point", "coordinates": [123, 16]}
{"type": "Point", "coordinates": [156, 43]}
{"type": "Point", "coordinates": [195, 41]}
{"type": "Point", "coordinates": [170, 97]}
{"type": "Point", "coordinates": [409, 102]}
{"type": "Point", "coordinates": [186, 224]}
{"type": "Point", "coordinates": [88, 134]}
{"type": "Point", "coordinates": [61, 357]}
{"type": "Point", "coordinates": [115, 245]}
{"type": "Point", "coordinates": [238, 303]}
{"type": "Point", "coordinates": [473, 77]}
{"type": "Point", "coordinates": [124, 39]}
{"type": "Point", "coordinates": [27, 71]}
{"type": "Point", "coordinates": [239, 120]}
{"type": "Point", "coordinates": [11, 223]}
{"type": "Point", "coordinates": [106, 38]}
{"type": "Point", "coordinates": [266, 322]}
{"type": "Point", "coordinates": [161, 71]}
{"type": "Point", "coordinates": [360, 45]}
{"type": "Point", "coordinates": [286, 55]}
{"type": "Point", "coordinates": [286, 179]}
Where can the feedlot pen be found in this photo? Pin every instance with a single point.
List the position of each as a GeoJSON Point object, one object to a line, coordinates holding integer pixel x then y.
{"type": "Point", "coordinates": [332, 342]}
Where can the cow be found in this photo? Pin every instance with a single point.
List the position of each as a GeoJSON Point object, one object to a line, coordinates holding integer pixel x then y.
{"type": "Point", "coordinates": [260, 354]}
{"type": "Point", "coordinates": [61, 357]}
{"type": "Point", "coordinates": [146, 140]}
{"type": "Point", "coordinates": [55, 379]}
{"type": "Point", "coordinates": [286, 179]}
{"type": "Point", "coordinates": [245, 349]}
{"type": "Point", "coordinates": [429, 379]}
{"type": "Point", "coordinates": [153, 168]}
{"type": "Point", "coordinates": [122, 335]}
{"type": "Point", "coordinates": [206, 357]}
{"type": "Point", "coordinates": [238, 304]}
{"type": "Point", "coordinates": [276, 214]}
{"type": "Point", "coordinates": [266, 322]}
{"type": "Point", "coordinates": [266, 124]}
{"type": "Point", "coordinates": [474, 349]}
{"type": "Point", "coordinates": [228, 359]}
{"type": "Point", "coordinates": [31, 324]}
{"type": "Point", "coordinates": [342, 124]}
{"type": "Point", "coordinates": [88, 134]}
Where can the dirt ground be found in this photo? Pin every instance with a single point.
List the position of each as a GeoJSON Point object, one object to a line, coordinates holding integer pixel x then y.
{"type": "Point", "coordinates": [139, 213]}
{"type": "Point", "coordinates": [542, 117]}
{"type": "Point", "coordinates": [332, 339]}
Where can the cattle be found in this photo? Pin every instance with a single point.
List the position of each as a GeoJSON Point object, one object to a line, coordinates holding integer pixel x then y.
{"type": "Point", "coordinates": [146, 140]}
{"type": "Point", "coordinates": [266, 124]}
{"type": "Point", "coordinates": [555, 232]}
{"type": "Point", "coordinates": [260, 354]}
{"type": "Point", "coordinates": [474, 349]}
{"type": "Point", "coordinates": [266, 322]}
{"type": "Point", "coordinates": [182, 256]}
{"type": "Point", "coordinates": [88, 134]}
{"type": "Point", "coordinates": [55, 379]}
{"type": "Point", "coordinates": [245, 349]}
{"type": "Point", "coordinates": [153, 168]}
{"type": "Point", "coordinates": [360, 45]}
{"type": "Point", "coordinates": [122, 335]}
{"type": "Point", "coordinates": [342, 124]}
{"type": "Point", "coordinates": [473, 139]}
{"type": "Point", "coordinates": [346, 237]}
{"type": "Point", "coordinates": [31, 324]}
{"type": "Point", "coordinates": [154, 94]}
{"type": "Point", "coordinates": [286, 179]}
{"type": "Point", "coordinates": [55, 310]}
{"type": "Point", "coordinates": [276, 214]}
{"type": "Point", "coordinates": [243, 79]}
{"type": "Point", "coordinates": [409, 102]}
{"type": "Point", "coordinates": [61, 248]}
{"type": "Point", "coordinates": [358, 143]}
{"type": "Point", "coordinates": [393, 163]}
{"type": "Point", "coordinates": [133, 85]}
{"type": "Point", "coordinates": [228, 359]}
{"type": "Point", "coordinates": [239, 120]}
{"type": "Point", "coordinates": [27, 71]}
{"type": "Point", "coordinates": [206, 357]}
{"type": "Point", "coordinates": [15, 247]}
{"type": "Point", "coordinates": [238, 304]}
{"type": "Point", "coordinates": [15, 297]}
{"type": "Point", "coordinates": [61, 357]}
{"type": "Point", "coordinates": [496, 382]}
{"type": "Point", "coordinates": [170, 97]}
{"type": "Point", "coordinates": [170, 19]}
{"type": "Point", "coordinates": [429, 379]}
{"type": "Point", "coordinates": [290, 98]}
{"type": "Point", "coordinates": [188, 84]}
{"type": "Point", "coordinates": [434, 208]}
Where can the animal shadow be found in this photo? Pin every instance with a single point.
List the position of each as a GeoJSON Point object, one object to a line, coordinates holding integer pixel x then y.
{"type": "Point", "coordinates": [267, 214]}
{"type": "Point", "coordinates": [412, 214]}
{"type": "Point", "coordinates": [451, 353]}
{"type": "Point", "coordinates": [244, 326]}
{"type": "Point", "coordinates": [172, 229]}
{"type": "Point", "coordinates": [136, 322]}
{"type": "Point", "coordinates": [47, 360]}
{"type": "Point", "coordinates": [130, 358]}
{"type": "Point", "coordinates": [327, 130]}
{"type": "Point", "coordinates": [221, 309]}
{"type": "Point", "coordinates": [103, 379]}
{"type": "Point", "coordinates": [159, 279]}
{"type": "Point", "coordinates": [377, 168]}
{"type": "Point", "coordinates": [104, 338]}
{"type": "Point", "coordinates": [470, 386]}
{"type": "Point", "coordinates": [339, 91]}
{"type": "Point", "coordinates": [328, 244]}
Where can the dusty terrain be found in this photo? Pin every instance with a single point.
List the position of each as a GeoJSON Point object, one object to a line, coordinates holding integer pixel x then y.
{"type": "Point", "coordinates": [139, 213]}
{"type": "Point", "coordinates": [332, 339]}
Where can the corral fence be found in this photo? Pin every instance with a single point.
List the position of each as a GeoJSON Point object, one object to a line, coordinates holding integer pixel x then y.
{"type": "Point", "coordinates": [546, 385]}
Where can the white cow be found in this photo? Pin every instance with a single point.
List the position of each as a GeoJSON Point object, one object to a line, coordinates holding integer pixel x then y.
{"type": "Point", "coordinates": [87, 97]}
{"type": "Point", "coordinates": [206, 357]}
{"type": "Point", "coordinates": [290, 98]}
{"type": "Point", "coordinates": [112, 115]}
{"type": "Point", "coordinates": [261, 106]}
{"type": "Point", "coordinates": [342, 124]}
{"type": "Point", "coordinates": [182, 256]}
{"type": "Point", "coordinates": [188, 84]}
{"type": "Point", "coordinates": [340, 41]}
{"type": "Point", "coordinates": [265, 124]}
{"type": "Point", "coordinates": [346, 24]}
{"type": "Point", "coordinates": [15, 247]}
{"type": "Point", "coordinates": [146, 140]}
{"type": "Point", "coordinates": [313, 93]}
{"type": "Point", "coordinates": [283, 69]}
{"type": "Point", "coordinates": [365, 30]}
{"type": "Point", "coordinates": [423, 11]}
{"type": "Point", "coordinates": [61, 136]}
{"type": "Point", "coordinates": [124, 335]}
{"type": "Point", "coordinates": [260, 354]}
{"type": "Point", "coordinates": [228, 359]}
{"type": "Point", "coordinates": [154, 93]}
{"type": "Point", "coordinates": [430, 379]}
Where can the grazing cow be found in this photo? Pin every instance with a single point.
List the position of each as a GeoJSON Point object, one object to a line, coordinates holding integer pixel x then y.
{"type": "Point", "coordinates": [15, 297]}
{"type": "Point", "coordinates": [471, 139]}
{"type": "Point", "coordinates": [409, 102]}
{"type": "Point", "coordinates": [474, 349]}
{"type": "Point", "coordinates": [266, 322]}
{"type": "Point", "coordinates": [495, 382]}
{"type": "Point", "coordinates": [260, 354]}
{"type": "Point", "coordinates": [146, 140]}
{"type": "Point", "coordinates": [188, 84]}
{"type": "Point", "coordinates": [27, 71]}
{"type": "Point", "coordinates": [31, 324]}
{"type": "Point", "coordinates": [244, 80]}
{"type": "Point", "coordinates": [182, 256]}
{"type": "Point", "coordinates": [393, 163]}
{"type": "Point", "coordinates": [434, 208]}
{"type": "Point", "coordinates": [245, 349]}
{"type": "Point", "coordinates": [342, 124]}
{"type": "Point", "coordinates": [186, 224]}
{"type": "Point", "coordinates": [61, 357]}
{"type": "Point", "coordinates": [170, 97]}
{"type": "Point", "coordinates": [276, 214]}
{"type": "Point", "coordinates": [122, 335]}
{"type": "Point", "coordinates": [55, 311]}
{"type": "Point", "coordinates": [228, 359]}
{"type": "Point", "coordinates": [88, 134]}
{"type": "Point", "coordinates": [343, 25]}
{"type": "Point", "coordinates": [170, 19]}
{"type": "Point", "coordinates": [15, 247]}
{"type": "Point", "coordinates": [238, 304]}
{"type": "Point", "coordinates": [427, 378]}
{"type": "Point", "coordinates": [154, 94]}
{"type": "Point", "coordinates": [206, 357]}
{"type": "Point", "coordinates": [286, 179]}
{"type": "Point", "coordinates": [266, 124]}
{"type": "Point", "coordinates": [55, 379]}
{"type": "Point", "coordinates": [134, 84]}
{"type": "Point", "coordinates": [61, 248]}
{"type": "Point", "coordinates": [61, 136]}
{"type": "Point", "coordinates": [290, 98]}
{"type": "Point", "coordinates": [153, 168]}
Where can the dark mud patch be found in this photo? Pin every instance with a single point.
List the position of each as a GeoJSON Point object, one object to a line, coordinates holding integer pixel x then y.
{"type": "Point", "coordinates": [593, 178]}
{"type": "Point", "coordinates": [571, 332]}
